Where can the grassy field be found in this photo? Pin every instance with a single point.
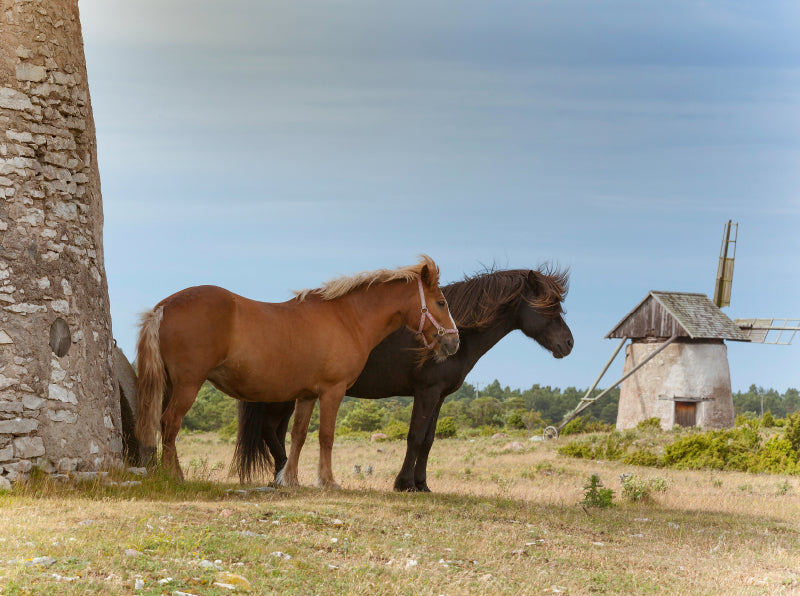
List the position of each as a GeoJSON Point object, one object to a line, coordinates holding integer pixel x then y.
{"type": "Point", "coordinates": [505, 519]}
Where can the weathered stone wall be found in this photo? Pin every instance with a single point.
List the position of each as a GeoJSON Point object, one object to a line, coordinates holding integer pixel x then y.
{"type": "Point", "coordinates": [683, 369]}
{"type": "Point", "coordinates": [58, 404]}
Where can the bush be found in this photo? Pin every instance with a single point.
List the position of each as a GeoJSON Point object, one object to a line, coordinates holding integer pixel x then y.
{"type": "Point", "coordinates": [792, 432]}
{"type": "Point", "coordinates": [595, 495]}
{"type": "Point", "coordinates": [446, 428]}
{"type": "Point", "coordinates": [396, 430]}
{"type": "Point", "coordinates": [768, 421]}
{"type": "Point", "coordinates": [516, 420]}
{"type": "Point", "coordinates": [611, 446]}
{"type": "Point", "coordinates": [730, 449]}
{"type": "Point", "coordinates": [642, 457]}
{"type": "Point", "coordinates": [653, 423]}
{"type": "Point", "coordinates": [635, 488]}
{"type": "Point", "coordinates": [777, 456]}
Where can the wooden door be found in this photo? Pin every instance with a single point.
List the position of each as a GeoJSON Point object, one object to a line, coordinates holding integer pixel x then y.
{"type": "Point", "coordinates": [685, 413]}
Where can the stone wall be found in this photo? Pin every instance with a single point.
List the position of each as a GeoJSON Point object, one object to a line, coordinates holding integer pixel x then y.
{"type": "Point", "coordinates": [689, 370]}
{"type": "Point", "coordinates": [59, 406]}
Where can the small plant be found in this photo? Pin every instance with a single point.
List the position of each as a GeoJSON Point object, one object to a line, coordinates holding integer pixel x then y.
{"type": "Point", "coordinates": [768, 421]}
{"type": "Point", "coordinates": [783, 487]}
{"type": "Point", "coordinates": [653, 423]}
{"type": "Point", "coordinates": [596, 495]}
{"type": "Point", "coordinates": [636, 489]}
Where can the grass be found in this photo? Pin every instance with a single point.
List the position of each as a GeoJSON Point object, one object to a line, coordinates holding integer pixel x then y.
{"type": "Point", "coordinates": [512, 524]}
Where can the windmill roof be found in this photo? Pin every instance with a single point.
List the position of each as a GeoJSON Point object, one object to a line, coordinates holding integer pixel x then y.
{"type": "Point", "coordinates": [661, 314]}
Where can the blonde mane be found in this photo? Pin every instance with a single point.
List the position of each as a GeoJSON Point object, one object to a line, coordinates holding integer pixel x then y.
{"type": "Point", "coordinates": [341, 286]}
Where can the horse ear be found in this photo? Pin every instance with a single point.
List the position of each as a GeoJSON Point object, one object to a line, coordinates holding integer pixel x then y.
{"type": "Point", "coordinates": [425, 275]}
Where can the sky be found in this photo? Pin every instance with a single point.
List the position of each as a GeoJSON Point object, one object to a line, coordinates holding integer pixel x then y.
{"type": "Point", "coordinates": [270, 146]}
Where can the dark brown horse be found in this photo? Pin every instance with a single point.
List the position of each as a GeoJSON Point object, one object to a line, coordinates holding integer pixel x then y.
{"type": "Point", "coordinates": [308, 348]}
{"type": "Point", "coordinates": [486, 307]}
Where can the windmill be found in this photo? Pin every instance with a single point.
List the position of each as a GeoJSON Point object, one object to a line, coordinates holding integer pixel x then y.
{"type": "Point", "coordinates": [689, 384]}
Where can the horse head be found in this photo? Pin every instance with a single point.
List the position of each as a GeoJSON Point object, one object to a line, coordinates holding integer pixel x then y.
{"type": "Point", "coordinates": [541, 315]}
{"type": "Point", "coordinates": [433, 322]}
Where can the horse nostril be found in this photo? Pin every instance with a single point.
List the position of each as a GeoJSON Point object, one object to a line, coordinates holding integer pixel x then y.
{"type": "Point", "coordinates": [570, 342]}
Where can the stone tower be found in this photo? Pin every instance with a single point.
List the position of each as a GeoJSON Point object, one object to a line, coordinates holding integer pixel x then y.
{"type": "Point", "coordinates": [59, 405]}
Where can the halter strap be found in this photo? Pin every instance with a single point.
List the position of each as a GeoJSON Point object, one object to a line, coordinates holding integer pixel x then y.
{"type": "Point", "coordinates": [440, 330]}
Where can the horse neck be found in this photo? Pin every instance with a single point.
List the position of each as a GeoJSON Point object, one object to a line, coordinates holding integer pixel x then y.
{"type": "Point", "coordinates": [476, 342]}
{"type": "Point", "coordinates": [381, 309]}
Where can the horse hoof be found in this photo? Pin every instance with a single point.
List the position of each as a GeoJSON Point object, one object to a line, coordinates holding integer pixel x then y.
{"type": "Point", "coordinates": [423, 488]}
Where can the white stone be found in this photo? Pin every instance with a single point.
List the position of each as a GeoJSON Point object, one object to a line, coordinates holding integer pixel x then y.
{"type": "Point", "coordinates": [5, 338]}
{"type": "Point", "coordinates": [107, 422]}
{"type": "Point", "coordinates": [24, 53]}
{"type": "Point", "coordinates": [27, 447]}
{"type": "Point", "coordinates": [5, 483]}
{"type": "Point", "coordinates": [18, 426]}
{"type": "Point", "coordinates": [21, 137]}
{"type": "Point", "coordinates": [7, 453]}
{"type": "Point", "coordinates": [66, 287]}
{"type": "Point", "coordinates": [62, 416]}
{"type": "Point", "coordinates": [26, 309]}
{"type": "Point", "coordinates": [59, 393]}
{"type": "Point", "coordinates": [30, 72]}
{"type": "Point", "coordinates": [6, 382]}
{"type": "Point", "coordinates": [14, 100]}
{"type": "Point", "coordinates": [60, 306]}
{"type": "Point", "coordinates": [93, 448]}
{"type": "Point", "coordinates": [11, 407]}
{"type": "Point", "coordinates": [43, 283]}
{"type": "Point", "coordinates": [32, 402]}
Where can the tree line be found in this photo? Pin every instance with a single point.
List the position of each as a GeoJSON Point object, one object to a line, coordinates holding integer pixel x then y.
{"type": "Point", "coordinates": [493, 407]}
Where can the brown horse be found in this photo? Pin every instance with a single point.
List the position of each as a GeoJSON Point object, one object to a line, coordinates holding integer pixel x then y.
{"type": "Point", "coordinates": [311, 347]}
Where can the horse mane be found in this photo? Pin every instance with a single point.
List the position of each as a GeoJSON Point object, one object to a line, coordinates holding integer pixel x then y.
{"type": "Point", "coordinates": [341, 286]}
{"type": "Point", "coordinates": [478, 301]}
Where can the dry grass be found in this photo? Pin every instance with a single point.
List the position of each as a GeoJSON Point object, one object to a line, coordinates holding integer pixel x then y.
{"type": "Point", "coordinates": [500, 521]}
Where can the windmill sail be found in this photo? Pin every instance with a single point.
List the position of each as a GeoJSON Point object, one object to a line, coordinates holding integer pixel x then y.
{"type": "Point", "coordinates": [769, 331]}
{"type": "Point", "coordinates": [722, 287]}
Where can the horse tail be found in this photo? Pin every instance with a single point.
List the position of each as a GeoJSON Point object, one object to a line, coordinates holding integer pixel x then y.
{"type": "Point", "coordinates": [152, 380]}
{"type": "Point", "coordinates": [252, 456]}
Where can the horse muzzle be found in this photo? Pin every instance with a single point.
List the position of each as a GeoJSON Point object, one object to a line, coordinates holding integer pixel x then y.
{"type": "Point", "coordinates": [563, 348]}
{"type": "Point", "coordinates": [447, 345]}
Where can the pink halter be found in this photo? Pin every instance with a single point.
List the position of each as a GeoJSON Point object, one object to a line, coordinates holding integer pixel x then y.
{"type": "Point", "coordinates": [440, 330]}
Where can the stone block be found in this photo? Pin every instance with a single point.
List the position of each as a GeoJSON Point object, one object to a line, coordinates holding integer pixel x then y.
{"type": "Point", "coordinates": [31, 72]}
{"type": "Point", "coordinates": [12, 407]}
{"type": "Point", "coordinates": [62, 416]}
{"type": "Point", "coordinates": [18, 426]}
{"type": "Point", "coordinates": [7, 453]}
{"type": "Point", "coordinates": [14, 100]}
{"type": "Point", "coordinates": [28, 447]}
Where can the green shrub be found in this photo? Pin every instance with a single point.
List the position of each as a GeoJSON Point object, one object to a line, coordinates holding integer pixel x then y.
{"type": "Point", "coordinates": [595, 495]}
{"type": "Point", "coordinates": [792, 432]}
{"type": "Point", "coordinates": [610, 446]}
{"type": "Point", "coordinates": [777, 456]}
{"type": "Point", "coordinates": [635, 488]}
{"type": "Point", "coordinates": [768, 420]}
{"type": "Point", "coordinates": [396, 430]}
{"type": "Point", "coordinates": [730, 449]}
{"type": "Point", "coordinates": [515, 420]}
{"type": "Point", "coordinates": [653, 423]}
{"type": "Point", "coordinates": [446, 427]}
{"type": "Point", "coordinates": [642, 457]}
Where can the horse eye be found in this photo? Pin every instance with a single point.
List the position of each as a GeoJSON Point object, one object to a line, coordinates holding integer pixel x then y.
{"type": "Point", "coordinates": [441, 303]}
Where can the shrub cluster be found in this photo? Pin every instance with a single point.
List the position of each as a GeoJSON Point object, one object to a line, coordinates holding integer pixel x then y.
{"type": "Point", "coordinates": [741, 448]}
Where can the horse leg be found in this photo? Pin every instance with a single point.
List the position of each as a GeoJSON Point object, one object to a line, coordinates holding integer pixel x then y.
{"type": "Point", "coordinates": [421, 412]}
{"type": "Point", "coordinates": [303, 409]}
{"type": "Point", "coordinates": [329, 402]}
{"type": "Point", "coordinates": [182, 398]}
{"type": "Point", "coordinates": [275, 435]}
{"type": "Point", "coordinates": [421, 468]}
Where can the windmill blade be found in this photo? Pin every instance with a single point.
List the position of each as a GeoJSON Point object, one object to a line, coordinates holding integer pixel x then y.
{"type": "Point", "coordinates": [727, 253]}
{"type": "Point", "coordinates": [769, 331]}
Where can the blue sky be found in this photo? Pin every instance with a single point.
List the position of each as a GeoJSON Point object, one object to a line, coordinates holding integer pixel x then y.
{"type": "Point", "coordinates": [269, 146]}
